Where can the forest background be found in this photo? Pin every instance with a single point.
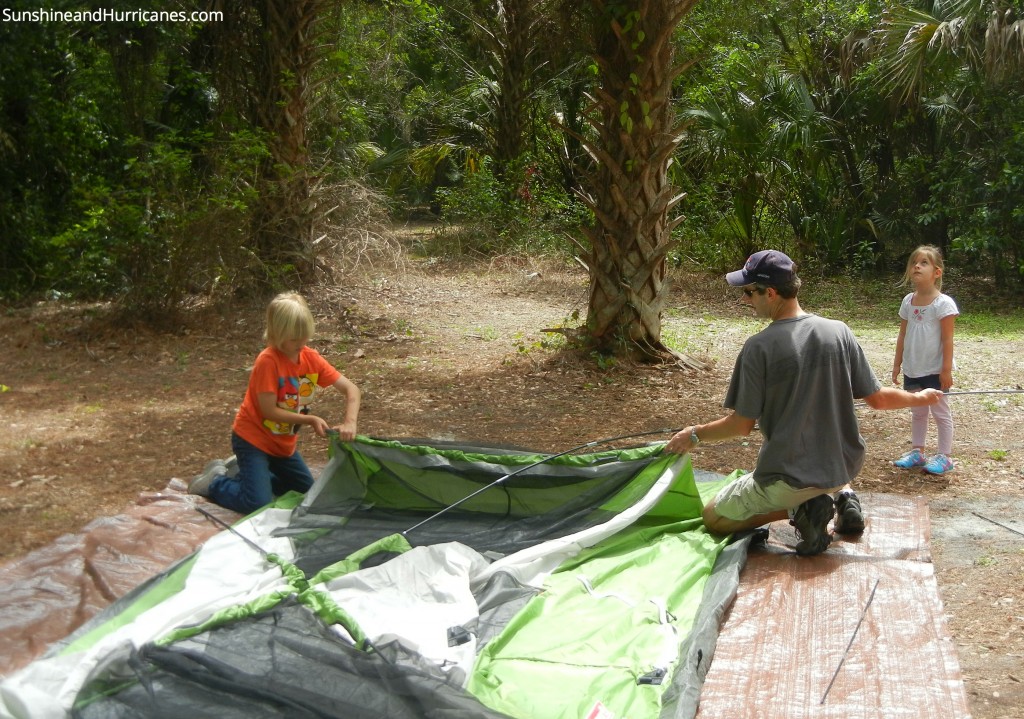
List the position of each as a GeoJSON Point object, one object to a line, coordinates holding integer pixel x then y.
{"type": "Point", "coordinates": [154, 163]}
{"type": "Point", "coordinates": [160, 180]}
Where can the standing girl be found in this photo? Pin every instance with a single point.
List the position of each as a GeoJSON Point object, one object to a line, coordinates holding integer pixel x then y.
{"type": "Point", "coordinates": [283, 381]}
{"type": "Point", "coordinates": [924, 351]}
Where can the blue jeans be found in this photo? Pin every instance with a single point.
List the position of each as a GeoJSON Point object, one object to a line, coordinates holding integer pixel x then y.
{"type": "Point", "coordinates": [260, 478]}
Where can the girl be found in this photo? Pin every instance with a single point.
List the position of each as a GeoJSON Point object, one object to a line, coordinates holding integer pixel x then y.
{"type": "Point", "coordinates": [282, 383]}
{"type": "Point", "coordinates": [924, 350]}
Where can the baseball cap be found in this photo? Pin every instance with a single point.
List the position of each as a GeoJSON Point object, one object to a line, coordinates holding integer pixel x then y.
{"type": "Point", "coordinates": [767, 267]}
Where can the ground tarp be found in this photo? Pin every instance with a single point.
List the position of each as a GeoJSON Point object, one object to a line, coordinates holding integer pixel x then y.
{"type": "Point", "coordinates": [52, 591]}
{"type": "Point", "coordinates": [859, 631]}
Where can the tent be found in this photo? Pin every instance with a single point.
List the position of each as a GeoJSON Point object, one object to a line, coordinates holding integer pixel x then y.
{"type": "Point", "coordinates": [422, 580]}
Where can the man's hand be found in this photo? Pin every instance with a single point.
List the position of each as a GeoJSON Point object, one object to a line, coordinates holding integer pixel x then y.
{"type": "Point", "coordinates": [932, 395]}
{"type": "Point", "coordinates": [680, 442]}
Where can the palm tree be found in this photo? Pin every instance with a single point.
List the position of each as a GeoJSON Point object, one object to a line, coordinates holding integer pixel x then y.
{"type": "Point", "coordinates": [285, 54]}
{"type": "Point", "coordinates": [944, 64]}
{"type": "Point", "coordinates": [627, 186]}
{"type": "Point", "coordinates": [511, 35]}
{"type": "Point", "coordinates": [922, 46]}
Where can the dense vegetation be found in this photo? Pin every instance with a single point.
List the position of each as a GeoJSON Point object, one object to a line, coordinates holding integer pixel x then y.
{"type": "Point", "coordinates": [150, 162]}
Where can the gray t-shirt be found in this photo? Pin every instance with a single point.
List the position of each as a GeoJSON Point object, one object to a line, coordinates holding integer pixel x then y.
{"type": "Point", "coordinates": [799, 377]}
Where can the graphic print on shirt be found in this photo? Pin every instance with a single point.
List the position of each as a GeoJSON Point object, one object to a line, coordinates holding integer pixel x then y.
{"type": "Point", "coordinates": [294, 395]}
{"type": "Point", "coordinates": [919, 314]}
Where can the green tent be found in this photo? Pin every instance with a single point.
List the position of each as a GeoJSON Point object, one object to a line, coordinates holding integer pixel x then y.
{"type": "Point", "coordinates": [422, 580]}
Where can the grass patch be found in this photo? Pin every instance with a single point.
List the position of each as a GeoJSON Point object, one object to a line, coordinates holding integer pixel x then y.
{"type": "Point", "coordinates": [871, 307]}
{"type": "Point", "coordinates": [486, 333]}
{"type": "Point", "coordinates": [1005, 325]}
{"type": "Point", "coordinates": [709, 337]}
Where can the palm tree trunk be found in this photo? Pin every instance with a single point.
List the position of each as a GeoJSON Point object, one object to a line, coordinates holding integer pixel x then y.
{"type": "Point", "coordinates": [628, 187]}
{"type": "Point", "coordinates": [514, 45]}
{"type": "Point", "coordinates": [283, 223]}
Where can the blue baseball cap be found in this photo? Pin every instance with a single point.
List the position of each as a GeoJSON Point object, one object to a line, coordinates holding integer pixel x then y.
{"type": "Point", "coordinates": [767, 267]}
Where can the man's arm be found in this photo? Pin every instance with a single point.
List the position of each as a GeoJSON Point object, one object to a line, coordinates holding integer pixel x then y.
{"type": "Point", "coordinates": [892, 398]}
{"type": "Point", "coordinates": [732, 425]}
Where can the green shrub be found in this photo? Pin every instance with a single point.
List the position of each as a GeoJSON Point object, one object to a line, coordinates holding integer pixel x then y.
{"type": "Point", "coordinates": [523, 214]}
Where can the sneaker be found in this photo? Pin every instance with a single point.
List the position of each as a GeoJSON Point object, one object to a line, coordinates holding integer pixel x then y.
{"type": "Point", "coordinates": [911, 459]}
{"type": "Point", "coordinates": [811, 521]}
{"type": "Point", "coordinates": [231, 466]}
{"type": "Point", "coordinates": [849, 515]}
{"type": "Point", "coordinates": [938, 464]}
{"type": "Point", "coordinates": [200, 484]}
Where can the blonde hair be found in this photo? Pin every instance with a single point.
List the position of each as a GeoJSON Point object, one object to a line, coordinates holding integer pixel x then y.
{"type": "Point", "coordinates": [933, 254]}
{"type": "Point", "coordinates": [288, 318]}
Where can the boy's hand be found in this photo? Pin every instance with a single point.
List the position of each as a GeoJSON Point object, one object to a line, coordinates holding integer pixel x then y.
{"type": "Point", "coordinates": [346, 431]}
{"type": "Point", "coordinates": [318, 424]}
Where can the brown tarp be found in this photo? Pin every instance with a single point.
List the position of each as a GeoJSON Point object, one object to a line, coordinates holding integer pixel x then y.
{"type": "Point", "coordinates": [54, 590]}
{"type": "Point", "coordinates": [856, 632]}
{"type": "Point", "coordinates": [793, 629]}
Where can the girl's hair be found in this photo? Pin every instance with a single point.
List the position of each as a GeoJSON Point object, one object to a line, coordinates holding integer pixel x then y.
{"type": "Point", "coordinates": [933, 254]}
{"type": "Point", "coordinates": [288, 318]}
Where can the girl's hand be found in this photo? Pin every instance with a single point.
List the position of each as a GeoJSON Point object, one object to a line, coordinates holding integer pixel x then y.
{"type": "Point", "coordinates": [946, 380]}
{"type": "Point", "coordinates": [346, 431]}
{"type": "Point", "coordinates": [895, 376]}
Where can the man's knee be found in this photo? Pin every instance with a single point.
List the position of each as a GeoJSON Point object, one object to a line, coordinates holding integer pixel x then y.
{"type": "Point", "coordinates": [713, 520]}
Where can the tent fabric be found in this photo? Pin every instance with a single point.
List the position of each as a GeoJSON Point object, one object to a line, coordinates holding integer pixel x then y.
{"type": "Point", "coordinates": [622, 640]}
{"type": "Point", "coordinates": [548, 500]}
{"type": "Point", "coordinates": [424, 621]}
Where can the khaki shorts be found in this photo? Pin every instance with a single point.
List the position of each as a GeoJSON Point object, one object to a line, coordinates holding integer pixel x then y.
{"type": "Point", "coordinates": [744, 498]}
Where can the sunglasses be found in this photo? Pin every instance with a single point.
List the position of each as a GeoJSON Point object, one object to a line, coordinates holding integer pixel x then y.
{"type": "Point", "coordinates": [749, 292]}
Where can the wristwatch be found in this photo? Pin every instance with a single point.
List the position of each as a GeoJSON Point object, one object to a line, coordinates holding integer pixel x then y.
{"type": "Point", "coordinates": [694, 439]}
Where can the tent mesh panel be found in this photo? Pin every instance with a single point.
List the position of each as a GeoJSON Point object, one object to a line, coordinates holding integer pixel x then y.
{"type": "Point", "coordinates": [301, 669]}
{"type": "Point", "coordinates": [379, 489]}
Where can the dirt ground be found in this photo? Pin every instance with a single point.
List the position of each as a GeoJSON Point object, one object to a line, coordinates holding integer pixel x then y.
{"type": "Point", "coordinates": [99, 413]}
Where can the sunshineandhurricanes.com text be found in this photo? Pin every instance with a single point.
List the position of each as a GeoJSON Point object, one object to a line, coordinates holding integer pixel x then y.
{"type": "Point", "coordinates": [108, 15]}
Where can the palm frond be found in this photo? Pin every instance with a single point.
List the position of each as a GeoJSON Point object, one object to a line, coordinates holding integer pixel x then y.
{"type": "Point", "coordinates": [1004, 45]}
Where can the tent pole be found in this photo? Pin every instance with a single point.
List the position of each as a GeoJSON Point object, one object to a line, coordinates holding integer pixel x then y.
{"type": "Point", "coordinates": [855, 630]}
{"type": "Point", "coordinates": [234, 531]}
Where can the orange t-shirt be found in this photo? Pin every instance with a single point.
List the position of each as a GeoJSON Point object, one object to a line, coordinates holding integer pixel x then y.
{"type": "Point", "coordinates": [294, 385]}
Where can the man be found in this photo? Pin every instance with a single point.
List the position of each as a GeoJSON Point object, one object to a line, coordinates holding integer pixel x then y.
{"type": "Point", "coordinates": [798, 378]}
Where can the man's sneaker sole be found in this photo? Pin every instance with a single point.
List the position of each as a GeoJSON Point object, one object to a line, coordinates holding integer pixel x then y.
{"type": "Point", "coordinates": [849, 515]}
{"type": "Point", "coordinates": [811, 521]}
